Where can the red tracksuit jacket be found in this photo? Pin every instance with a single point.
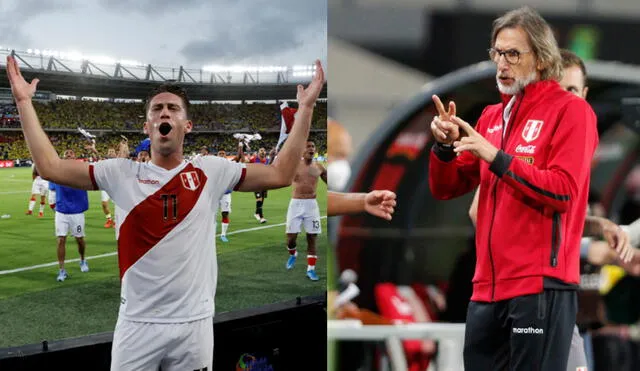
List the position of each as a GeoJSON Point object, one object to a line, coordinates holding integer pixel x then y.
{"type": "Point", "coordinates": [533, 197]}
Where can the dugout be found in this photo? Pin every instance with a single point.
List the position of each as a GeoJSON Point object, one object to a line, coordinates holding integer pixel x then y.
{"type": "Point", "coordinates": [425, 237]}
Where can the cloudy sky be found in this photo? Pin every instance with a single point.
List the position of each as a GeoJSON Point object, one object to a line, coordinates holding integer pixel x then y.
{"type": "Point", "coordinates": [169, 33]}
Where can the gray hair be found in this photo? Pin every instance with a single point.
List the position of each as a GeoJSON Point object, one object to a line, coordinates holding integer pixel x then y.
{"type": "Point", "coordinates": [541, 37]}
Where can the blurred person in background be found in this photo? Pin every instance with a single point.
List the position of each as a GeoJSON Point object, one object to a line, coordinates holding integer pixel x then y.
{"type": "Point", "coordinates": [261, 158]}
{"type": "Point", "coordinates": [123, 152]}
{"type": "Point", "coordinates": [142, 151]}
{"type": "Point", "coordinates": [379, 203]}
{"type": "Point", "coordinates": [38, 187]}
{"type": "Point", "coordinates": [225, 201]}
{"type": "Point", "coordinates": [525, 153]}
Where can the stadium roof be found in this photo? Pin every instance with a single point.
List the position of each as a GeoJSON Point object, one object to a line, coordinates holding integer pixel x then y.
{"type": "Point", "coordinates": [87, 79]}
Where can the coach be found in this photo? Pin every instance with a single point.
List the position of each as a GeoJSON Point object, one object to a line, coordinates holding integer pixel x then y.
{"type": "Point", "coordinates": [531, 155]}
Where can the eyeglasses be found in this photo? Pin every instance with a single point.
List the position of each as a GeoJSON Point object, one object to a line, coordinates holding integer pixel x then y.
{"type": "Point", "coordinates": [512, 56]}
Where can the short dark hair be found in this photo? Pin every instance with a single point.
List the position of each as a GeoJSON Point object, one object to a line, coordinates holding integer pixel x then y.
{"type": "Point", "coordinates": [570, 59]}
{"type": "Point", "coordinates": [169, 88]}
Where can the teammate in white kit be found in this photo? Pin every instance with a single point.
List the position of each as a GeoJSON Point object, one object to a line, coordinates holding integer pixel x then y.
{"type": "Point", "coordinates": [38, 187]}
{"type": "Point", "coordinates": [225, 201]}
{"type": "Point", "coordinates": [165, 234]}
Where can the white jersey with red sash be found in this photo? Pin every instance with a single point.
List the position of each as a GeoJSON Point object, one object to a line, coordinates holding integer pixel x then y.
{"type": "Point", "coordinates": [165, 234]}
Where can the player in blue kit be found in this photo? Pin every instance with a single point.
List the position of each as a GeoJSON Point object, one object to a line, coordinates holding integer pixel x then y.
{"type": "Point", "coordinates": [70, 206]}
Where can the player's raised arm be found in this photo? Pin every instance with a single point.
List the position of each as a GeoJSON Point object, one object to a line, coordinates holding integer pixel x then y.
{"type": "Point", "coordinates": [377, 203]}
{"type": "Point", "coordinates": [66, 172]}
{"type": "Point", "coordinates": [280, 174]}
{"type": "Point", "coordinates": [123, 147]}
{"type": "Point", "coordinates": [323, 173]}
{"type": "Point", "coordinates": [239, 158]}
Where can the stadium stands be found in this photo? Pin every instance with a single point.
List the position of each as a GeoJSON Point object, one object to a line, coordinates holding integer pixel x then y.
{"type": "Point", "coordinates": [214, 125]}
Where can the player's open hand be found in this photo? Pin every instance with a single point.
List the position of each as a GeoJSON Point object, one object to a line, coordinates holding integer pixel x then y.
{"type": "Point", "coordinates": [20, 88]}
{"type": "Point", "coordinates": [473, 142]}
{"type": "Point", "coordinates": [443, 130]}
{"type": "Point", "coordinates": [380, 203]}
{"type": "Point", "coordinates": [91, 146]}
{"type": "Point", "coordinates": [617, 239]}
{"type": "Point", "coordinates": [632, 267]}
{"type": "Point", "coordinates": [307, 97]}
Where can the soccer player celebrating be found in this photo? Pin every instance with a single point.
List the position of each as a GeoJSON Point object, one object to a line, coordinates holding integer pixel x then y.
{"type": "Point", "coordinates": [167, 266]}
{"type": "Point", "coordinates": [303, 209]}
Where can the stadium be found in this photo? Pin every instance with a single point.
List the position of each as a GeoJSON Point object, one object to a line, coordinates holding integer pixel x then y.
{"type": "Point", "coordinates": [258, 300]}
{"type": "Point", "coordinates": [415, 272]}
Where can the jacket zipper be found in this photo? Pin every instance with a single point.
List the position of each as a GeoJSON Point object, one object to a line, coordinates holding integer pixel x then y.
{"type": "Point", "coordinates": [495, 191]}
{"type": "Point", "coordinates": [555, 238]}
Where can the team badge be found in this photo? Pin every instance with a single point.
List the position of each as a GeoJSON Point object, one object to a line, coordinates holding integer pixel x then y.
{"type": "Point", "coordinates": [190, 180]}
{"type": "Point", "coordinates": [531, 130]}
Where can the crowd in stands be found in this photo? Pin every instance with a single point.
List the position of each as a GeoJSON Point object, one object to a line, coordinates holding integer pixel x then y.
{"type": "Point", "coordinates": [13, 145]}
{"type": "Point", "coordinates": [215, 122]}
{"type": "Point", "coordinates": [70, 114]}
{"type": "Point", "coordinates": [9, 116]}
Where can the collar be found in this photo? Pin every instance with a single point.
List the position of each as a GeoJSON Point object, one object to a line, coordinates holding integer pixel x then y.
{"type": "Point", "coordinates": [532, 90]}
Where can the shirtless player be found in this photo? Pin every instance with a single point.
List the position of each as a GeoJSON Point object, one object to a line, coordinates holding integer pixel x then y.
{"type": "Point", "coordinates": [303, 209]}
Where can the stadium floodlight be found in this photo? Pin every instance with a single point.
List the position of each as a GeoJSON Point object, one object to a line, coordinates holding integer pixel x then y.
{"type": "Point", "coordinates": [303, 70]}
{"type": "Point", "coordinates": [76, 56]}
{"type": "Point", "coordinates": [302, 73]}
{"type": "Point", "coordinates": [100, 59]}
{"type": "Point", "coordinates": [131, 63]}
{"type": "Point", "coordinates": [216, 68]}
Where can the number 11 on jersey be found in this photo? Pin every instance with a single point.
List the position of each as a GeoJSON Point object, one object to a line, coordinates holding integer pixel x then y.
{"type": "Point", "coordinates": [169, 207]}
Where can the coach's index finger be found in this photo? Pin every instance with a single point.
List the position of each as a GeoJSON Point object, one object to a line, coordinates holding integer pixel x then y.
{"type": "Point", "coordinates": [440, 107]}
{"type": "Point", "coordinates": [465, 126]}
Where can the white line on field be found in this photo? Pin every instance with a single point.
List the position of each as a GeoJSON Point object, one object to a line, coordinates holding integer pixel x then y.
{"type": "Point", "coordinates": [14, 192]}
{"type": "Point", "coordinates": [9, 271]}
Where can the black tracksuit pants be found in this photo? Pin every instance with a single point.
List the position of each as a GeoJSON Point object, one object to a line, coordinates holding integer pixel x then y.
{"type": "Point", "coordinates": [531, 332]}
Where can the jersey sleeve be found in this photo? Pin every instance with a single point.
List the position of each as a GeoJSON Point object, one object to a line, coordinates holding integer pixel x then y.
{"type": "Point", "coordinates": [225, 174]}
{"type": "Point", "coordinates": [107, 174]}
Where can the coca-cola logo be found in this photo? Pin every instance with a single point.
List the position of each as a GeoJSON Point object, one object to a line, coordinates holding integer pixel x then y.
{"type": "Point", "coordinates": [530, 149]}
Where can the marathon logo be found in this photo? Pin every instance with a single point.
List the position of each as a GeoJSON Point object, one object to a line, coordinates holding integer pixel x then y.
{"type": "Point", "coordinates": [148, 181]}
{"type": "Point", "coordinates": [528, 159]}
{"type": "Point", "coordinates": [530, 149]}
{"type": "Point", "coordinates": [528, 330]}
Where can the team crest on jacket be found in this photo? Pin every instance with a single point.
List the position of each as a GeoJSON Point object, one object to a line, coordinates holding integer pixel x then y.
{"type": "Point", "coordinates": [190, 180]}
{"type": "Point", "coordinates": [531, 130]}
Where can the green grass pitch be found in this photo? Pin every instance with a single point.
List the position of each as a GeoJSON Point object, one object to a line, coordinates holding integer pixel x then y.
{"type": "Point", "coordinates": [35, 307]}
